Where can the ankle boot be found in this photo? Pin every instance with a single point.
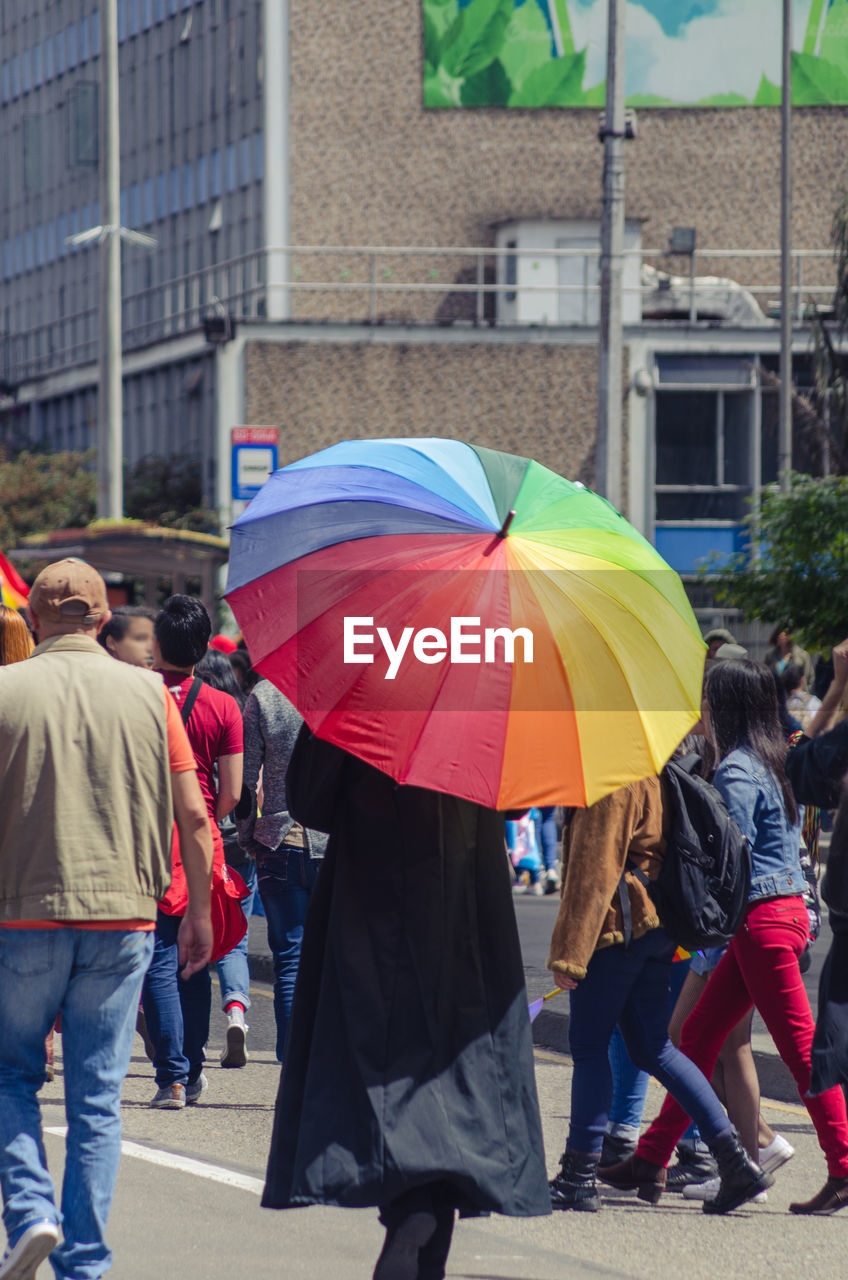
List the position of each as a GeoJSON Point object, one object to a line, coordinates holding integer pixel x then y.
{"type": "Point", "coordinates": [574, 1187]}
{"type": "Point", "coordinates": [433, 1256]}
{"type": "Point", "coordinates": [741, 1178]}
{"type": "Point", "coordinates": [636, 1174]}
{"type": "Point", "coordinates": [833, 1196]}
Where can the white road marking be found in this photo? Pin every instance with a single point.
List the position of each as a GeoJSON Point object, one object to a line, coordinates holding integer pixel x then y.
{"type": "Point", "coordinates": [183, 1164]}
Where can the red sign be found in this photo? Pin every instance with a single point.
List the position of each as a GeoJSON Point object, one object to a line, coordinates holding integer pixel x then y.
{"type": "Point", "coordinates": [255, 435]}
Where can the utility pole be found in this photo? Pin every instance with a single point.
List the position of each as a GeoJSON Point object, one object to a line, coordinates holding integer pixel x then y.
{"type": "Point", "coordinates": [784, 460]}
{"type": "Point", "coordinates": [610, 386]}
{"type": "Point", "coordinates": [110, 407]}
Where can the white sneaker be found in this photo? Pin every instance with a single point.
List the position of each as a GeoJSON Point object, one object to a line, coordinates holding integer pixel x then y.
{"type": "Point", "coordinates": [775, 1154]}
{"type": "Point", "coordinates": [709, 1190]}
{"type": "Point", "coordinates": [193, 1091]}
{"type": "Point", "coordinates": [537, 889]}
{"type": "Point", "coordinates": [29, 1251]}
{"type": "Point", "coordinates": [552, 881]}
{"type": "Point", "coordinates": [234, 1052]}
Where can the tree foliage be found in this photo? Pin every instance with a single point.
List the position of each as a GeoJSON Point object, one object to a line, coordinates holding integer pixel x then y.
{"type": "Point", "coordinates": [797, 573]}
{"type": "Point", "coordinates": [40, 492]}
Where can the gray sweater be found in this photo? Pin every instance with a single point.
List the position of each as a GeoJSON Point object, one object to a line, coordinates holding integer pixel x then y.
{"type": "Point", "coordinates": [271, 726]}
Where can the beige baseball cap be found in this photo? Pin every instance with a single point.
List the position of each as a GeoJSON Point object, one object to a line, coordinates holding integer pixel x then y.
{"type": "Point", "coordinates": [69, 592]}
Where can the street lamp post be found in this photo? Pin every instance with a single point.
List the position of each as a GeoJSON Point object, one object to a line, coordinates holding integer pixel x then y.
{"type": "Point", "coordinates": [784, 464]}
{"type": "Point", "coordinates": [610, 352]}
{"type": "Point", "coordinates": [110, 409]}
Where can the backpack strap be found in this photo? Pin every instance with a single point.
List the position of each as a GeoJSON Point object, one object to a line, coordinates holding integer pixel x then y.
{"type": "Point", "coordinates": [626, 913]}
{"type": "Point", "coordinates": [191, 698]}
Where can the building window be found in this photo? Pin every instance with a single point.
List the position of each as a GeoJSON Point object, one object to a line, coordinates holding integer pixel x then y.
{"type": "Point", "coordinates": [83, 124]}
{"type": "Point", "coordinates": [32, 166]}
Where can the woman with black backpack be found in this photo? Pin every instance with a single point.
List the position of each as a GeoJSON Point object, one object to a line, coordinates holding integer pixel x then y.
{"type": "Point", "coordinates": [760, 966]}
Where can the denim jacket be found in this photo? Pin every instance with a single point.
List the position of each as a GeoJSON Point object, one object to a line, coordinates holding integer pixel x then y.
{"type": "Point", "coordinates": [755, 801]}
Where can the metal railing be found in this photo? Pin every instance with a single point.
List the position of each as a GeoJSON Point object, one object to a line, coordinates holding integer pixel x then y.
{"type": "Point", "coordinates": [380, 284]}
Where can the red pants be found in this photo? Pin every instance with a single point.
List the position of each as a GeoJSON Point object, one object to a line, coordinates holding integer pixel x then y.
{"type": "Point", "coordinates": [760, 967]}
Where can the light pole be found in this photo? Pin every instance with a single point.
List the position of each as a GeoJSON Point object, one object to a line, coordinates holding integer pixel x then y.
{"type": "Point", "coordinates": [110, 407]}
{"type": "Point", "coordinates": [610, 355]}
{"type": "Point", "coordinates": [784, 461]}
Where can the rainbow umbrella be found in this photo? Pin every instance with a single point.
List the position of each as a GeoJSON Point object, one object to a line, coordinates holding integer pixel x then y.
{"type": "Point", "coordinates": [13, 590]}
{"type": "Point", "coordinates": [466, 620]}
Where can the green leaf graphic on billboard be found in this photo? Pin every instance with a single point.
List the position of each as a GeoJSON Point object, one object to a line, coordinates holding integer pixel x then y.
{"type": "Point", "coordinates": [527, 44]}
{"type": "Point", "coordinates": [477, 37]}
{"type": "Point", "coordinates": [559, 83]}
{"type": "Point", "coordinates": [816, 82]}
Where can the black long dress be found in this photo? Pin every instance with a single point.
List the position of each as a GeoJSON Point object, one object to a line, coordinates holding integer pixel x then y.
{"type": "Point", "coordinates": [409, 1058]}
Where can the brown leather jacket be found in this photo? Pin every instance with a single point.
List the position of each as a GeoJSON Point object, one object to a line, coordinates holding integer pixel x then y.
{"type": "Point", "coordinates": [628, 824]}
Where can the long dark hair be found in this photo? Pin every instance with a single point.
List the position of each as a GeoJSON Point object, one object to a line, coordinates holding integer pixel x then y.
{"type": "Point", "coordinates": [743, 710]}
{"type": "Point", "coordinates": [214, 669]}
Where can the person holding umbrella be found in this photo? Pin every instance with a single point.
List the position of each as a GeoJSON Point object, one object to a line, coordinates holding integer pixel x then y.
{"type": "Point", "coordinates": [465, 634]}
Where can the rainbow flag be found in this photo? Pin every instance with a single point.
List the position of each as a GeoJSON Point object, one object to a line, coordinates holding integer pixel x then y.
{"type": "Point", "coordinates": [13, 589]}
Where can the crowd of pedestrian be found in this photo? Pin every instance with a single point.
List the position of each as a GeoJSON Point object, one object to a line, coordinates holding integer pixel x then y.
{"type": "Point", "coordinates": [153, 786]}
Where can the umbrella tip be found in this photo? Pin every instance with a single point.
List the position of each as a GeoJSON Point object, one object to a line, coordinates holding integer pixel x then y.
{"type": "Point", "coordinates": [510, 516]}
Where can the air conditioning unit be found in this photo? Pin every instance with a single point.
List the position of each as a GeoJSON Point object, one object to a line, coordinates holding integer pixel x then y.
{"type": "Point", "coordinates": [548, 272]}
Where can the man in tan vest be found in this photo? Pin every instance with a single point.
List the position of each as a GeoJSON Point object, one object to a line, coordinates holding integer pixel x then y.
{"type": "Point", "coordinates": [94, 767]}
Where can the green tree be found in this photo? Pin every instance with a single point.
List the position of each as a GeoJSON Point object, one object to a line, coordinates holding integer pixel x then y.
{"type": "Point", "coordinates": [797, 573]}
{"type": "Point", "coordinates": [40, 492]}
{"type": "Point", "coordinates": [169, 492]}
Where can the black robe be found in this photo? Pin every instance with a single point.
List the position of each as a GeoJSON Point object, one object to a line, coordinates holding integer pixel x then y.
{"type": "Point", "coordinates": [830, 1042]}
{"type": "Point", "coordinates": [409, 1057]}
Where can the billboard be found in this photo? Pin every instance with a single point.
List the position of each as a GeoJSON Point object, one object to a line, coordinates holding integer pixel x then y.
{"type": "Point", "coordinates": [679, 53]}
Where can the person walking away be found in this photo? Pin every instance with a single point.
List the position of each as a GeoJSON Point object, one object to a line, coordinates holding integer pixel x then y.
{"type": "Point", "coordinates": [79, 882]}
{"type": "Point", "coordinates": [176, 1010]}
{"type": "Point", "coordinates": [619, 980]}
{"type": "Point", "coordinates": [215, 669]}
{"type": "Point", "coordinates": [408, 1082]}
{"type": "Point", "coordinates": [287, 854]}
{"type": "Point", "coordinates": [760, 966]}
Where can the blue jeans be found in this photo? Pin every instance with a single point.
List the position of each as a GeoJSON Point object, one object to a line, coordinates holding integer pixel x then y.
{"type": "Point", "coordinates": [286, 879]}
{"type": "Point", "coordinates": [233, 971]}
{"type": "Point", "coordinates": [629, 1084]}
{"type": "Point", "coordinates": [93, 977]}
{"type": "Point", "coordinates": [176, 1012]}
{"type": "Point", "coordinates": [630, 987]}
{"type": "Point", "coordinates": [548, 837]}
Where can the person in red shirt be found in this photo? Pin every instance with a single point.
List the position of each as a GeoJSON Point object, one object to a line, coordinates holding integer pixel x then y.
{"type": "Point", "coordinates": [177, 1011]}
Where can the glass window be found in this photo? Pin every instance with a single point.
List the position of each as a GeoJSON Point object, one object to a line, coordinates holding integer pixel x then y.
{"type": "Point", "coordinates": [201, 180]}
{"type": "Point", "coordinates": [132, 18]}
{"type": "Point", "coordinates": [147, 14]}
{"type": "Point", "coordinates": [83, 124]}
{"type": "Point", "coordinates": [60, 53]}
{"type": "Point", "coordinates": [61, 233]}
{"type": "Point", "coordinates": [686, 425]}
{"type": "Point", "coordinates": [48, 58]}
{"type": "Point", "coordinates": [125, 207]}
{"type": "Point", "coordinates": [259, 156]}
{"type": "Point", "coordinates": [94, 39]}
{"type": "Point", "coordinates": [29, 250]}
{"type": "Point", "coordinates": [707, 370]}
{"type": "Point", "coordinates": [39, 246]}
{"type": "Point", "coordinates": [147, 201]}
{"type": "Point", "coordinates": [6, 77]}
{"type": "Point", "coordinates": [215, 173]}
{"type": "Point", "coordinates": [16, 77]}
{"type": "Point", "coordinates": [231, 167]}
{"type": "Point", "coordinates": [244, 148]}
{"type": "Point", "coordinates": [7, 260]}
{"type": "Point", "coordinates": [83, 40]}
{"type": "Point", "coordinates": [26, 72]}
{"type": "Point", "coordinates": [37, 67]}
{"type": "Point", "coordinates": [738, 414]}
{"type": "Point", "coordinates": [188, 185]}
{"type": "Point", "coordinates": [122, 21]}
{"type": "Point", "coordinates": [32, 166]}
{"type": "Point", "coordinates": [51, 240]}
{"type": "Point", "coordinates": [71, 45]}
{"type": "Point", "coordinates": [135, 205]}
{"type": "Point", "coordinates": [95, 217]}
{"type": "Point", "coordinates": [160, 10]}
{"type": "Point", "coordinates": [175, 190]}
{"type": "Point", "coordinates": [19, 254]}
{"type": "Point", "coordinates": [161, 196]}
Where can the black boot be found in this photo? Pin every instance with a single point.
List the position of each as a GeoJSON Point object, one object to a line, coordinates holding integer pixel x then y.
{"type": "Point", "coordinates": [574, 1187]}
{"type": "Point", "coordinates": [692, 1167]}
{"type": "Point", "coordinates": [741, 1178]}
{"type": "Point", "coordinates": [615, 1149]}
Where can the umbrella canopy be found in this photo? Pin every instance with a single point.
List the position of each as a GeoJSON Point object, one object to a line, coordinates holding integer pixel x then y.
{"type": "Point", "coordinates": [466, 620]}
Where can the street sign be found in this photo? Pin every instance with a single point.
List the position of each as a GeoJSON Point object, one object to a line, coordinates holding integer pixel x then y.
{"type": "Point", "coordinates": [254, 457]}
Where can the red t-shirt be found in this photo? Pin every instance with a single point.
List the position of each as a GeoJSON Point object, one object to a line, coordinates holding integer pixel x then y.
{"type": "Point", "coordinates": [214, 729]}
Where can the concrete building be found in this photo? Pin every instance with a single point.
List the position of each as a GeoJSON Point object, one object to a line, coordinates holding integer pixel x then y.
{"type": "Point", "coordinates": [378, 266]}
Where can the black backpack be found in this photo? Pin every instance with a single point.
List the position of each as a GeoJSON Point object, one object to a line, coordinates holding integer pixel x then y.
{"type": "Point", "coordinates": [702, 888]}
